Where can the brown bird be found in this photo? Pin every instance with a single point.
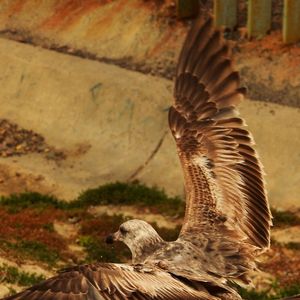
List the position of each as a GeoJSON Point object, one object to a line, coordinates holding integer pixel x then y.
{"type": "Point", "coordinates": [227, 219]}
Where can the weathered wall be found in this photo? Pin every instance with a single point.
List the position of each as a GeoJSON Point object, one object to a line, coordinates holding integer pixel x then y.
{"type": "Point", "coordinates": [141, 35]}
{"type": "Point", "coordinates": [109, 120]}
{"type": "Point", "coordinates": [128, 27]}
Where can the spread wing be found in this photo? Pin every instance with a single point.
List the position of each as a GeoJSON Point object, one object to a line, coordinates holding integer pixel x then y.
{"type": "Point", "coordinates": [110, 281]}
{"type": "Point", "coordinates": [223, 176]}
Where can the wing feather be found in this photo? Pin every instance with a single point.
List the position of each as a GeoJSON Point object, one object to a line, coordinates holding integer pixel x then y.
{"type": "Point", "coordinates": [110, 281]}
{"type": "Point", "coordinates": [223, 175]}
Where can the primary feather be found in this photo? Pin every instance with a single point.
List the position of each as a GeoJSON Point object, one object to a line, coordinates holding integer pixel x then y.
{"type": "Point", "coordinates": [223, 175]}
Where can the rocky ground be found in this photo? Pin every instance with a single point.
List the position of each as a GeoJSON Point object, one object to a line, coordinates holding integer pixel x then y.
{"type": "Point", "coordinates": [15, 141]}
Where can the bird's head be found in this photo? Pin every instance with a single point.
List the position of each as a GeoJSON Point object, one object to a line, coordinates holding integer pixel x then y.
{"type": "Point", "coordinates": [139, 236]}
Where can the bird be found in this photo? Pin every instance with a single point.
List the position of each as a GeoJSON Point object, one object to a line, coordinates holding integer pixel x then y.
{"type": "Point", "coordinates": [227, 215]}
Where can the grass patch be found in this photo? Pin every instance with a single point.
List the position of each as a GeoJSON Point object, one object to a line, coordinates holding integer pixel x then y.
{"type": "Point", "coordinates": [292, 245]}
{"type": "Point", "coordinates": [32, 225]}
{"type": "Point", "coordinates": [274, 293]}
{"type": "Point", "coordinates": [17, 202]}
{"type": "Point", "coordinates": [119, 193]}
{"type": "Point", "coordinates": [284, 218]}
{"type": "Point", "coordinates": [131, 194]}
{"type": "Point", "coordinates": [98, 250]}
{"type": "Point", "coordinates": [253, 295]}
{"type": "Point", "coordinates": [32, 250]}
{"type": "Point", "coordinates": [38, 251]}
{"type": "Point", "coordinates": [13, 275]}
{"type": "Point", "coordinates": [113, 193]}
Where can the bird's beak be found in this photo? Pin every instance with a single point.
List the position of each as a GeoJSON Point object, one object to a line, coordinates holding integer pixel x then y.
{"type": "Point", "coordinates": [113, 237]}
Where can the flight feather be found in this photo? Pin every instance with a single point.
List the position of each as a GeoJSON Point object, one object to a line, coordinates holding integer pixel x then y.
{"type": "Point", "coordinates": [223, 175]}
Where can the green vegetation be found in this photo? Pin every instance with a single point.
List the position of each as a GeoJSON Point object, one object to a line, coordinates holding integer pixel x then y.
{"type": "Point", "coordinates": [31, 250]}
{"type": "Point", "coordinates": [131, 194]}
{"type": "Point", "coordinates": [253, 295]}
{"type": "Point", "coordinates": [98, 250]}
{"type": "Point", "coordinates": [16, 203]}
{"type": "Point", "coordinates": [113, 193]}
{"type": "Point", "coordinates": [292, 245]}
{"type": "Point", "coordinates": [118, 193]}
{"type": "Point", "coordinates": [284, 218]}
{"type": "Point", "coordinates": [275, 292]}
{"type": "Point", "coordinates": [38, 251]}
{"type": "Point", "coordinates": [12, 275]}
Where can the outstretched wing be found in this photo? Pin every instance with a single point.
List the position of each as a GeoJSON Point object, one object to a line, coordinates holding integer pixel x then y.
{"type": "Point", "coordinates": [109, 281]}
{"type": "Point", "coordinates": [223, 176]}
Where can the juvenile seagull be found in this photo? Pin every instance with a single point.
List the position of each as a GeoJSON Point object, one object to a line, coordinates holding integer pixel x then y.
{"type": "Point", "coordinates": [227, 218]}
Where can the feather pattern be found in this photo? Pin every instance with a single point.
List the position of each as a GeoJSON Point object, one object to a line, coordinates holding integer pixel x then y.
{"type": "Point", "coordinates": [111, 281]}
{"type": "Point", "coordinates": [223, 175]}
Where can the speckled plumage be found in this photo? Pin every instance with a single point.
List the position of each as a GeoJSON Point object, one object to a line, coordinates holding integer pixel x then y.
{"type": "Point", "coordinates": [227, 219]}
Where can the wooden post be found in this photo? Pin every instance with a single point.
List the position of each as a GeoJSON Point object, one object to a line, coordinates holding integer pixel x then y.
{"type": "Point", "coordinates": [187, 8]}
{"type": "Point", "coordinates": [291, 21]}
{"type": "Point", "coordinates": [259, 17]}
{"type": "Point", "coordinates": [225, 12]}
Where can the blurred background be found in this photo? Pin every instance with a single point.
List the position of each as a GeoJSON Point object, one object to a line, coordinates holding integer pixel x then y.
{"type": "Point", "coordinates": [84, 141]}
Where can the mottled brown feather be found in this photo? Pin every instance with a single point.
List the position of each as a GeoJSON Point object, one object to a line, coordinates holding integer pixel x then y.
{"type": "Point", "coordinates": [110, 281]}
{"type": "Point", "coordinates": [223, 175]}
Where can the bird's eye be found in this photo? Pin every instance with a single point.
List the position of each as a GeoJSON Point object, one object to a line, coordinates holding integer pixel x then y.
{"type": "Point", "coordinates": [123, 230]}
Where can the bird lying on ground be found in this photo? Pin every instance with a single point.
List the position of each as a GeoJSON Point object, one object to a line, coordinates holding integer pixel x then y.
{"type": "Point", "coordinates": [227, 218]}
